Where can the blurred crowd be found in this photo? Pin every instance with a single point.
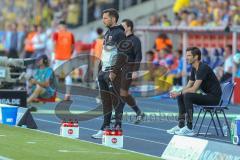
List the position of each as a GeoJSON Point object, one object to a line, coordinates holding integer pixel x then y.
{"type": "Point", "coordinates": [28, 12]}
{"type": "Point", "coordinates": [192, 13]}
{"type": "Point", "coordinates": [25, 42]}
{"type": "Point", "coordinates": [28, 27]}
{"type": "Point", "coordinates": [166, 67]}
{"type": "Point", "coordinates": [95, 7]}
{"type": "Point", "coordinates": [208, 13]}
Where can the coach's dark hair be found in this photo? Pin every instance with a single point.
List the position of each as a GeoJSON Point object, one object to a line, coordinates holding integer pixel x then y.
{"type": "Point", "coordinates": [129, 23]}
{"type": "Point", "coordinates": [195, 51]}
{"type": "Point", "coordinates": [112, 13]}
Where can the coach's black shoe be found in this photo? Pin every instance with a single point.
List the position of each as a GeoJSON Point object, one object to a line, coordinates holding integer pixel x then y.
{"type": "Point", "coordinates": [139, 118]}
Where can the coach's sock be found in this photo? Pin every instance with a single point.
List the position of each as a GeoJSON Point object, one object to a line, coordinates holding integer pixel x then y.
{"type": "Point", "coordinates": [189, 125]}
{"type": "Point", "coordinates": [181, 124]}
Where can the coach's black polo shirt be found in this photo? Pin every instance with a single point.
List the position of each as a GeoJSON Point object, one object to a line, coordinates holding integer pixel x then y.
{"type": "Point", "coordinates": [210, 83]}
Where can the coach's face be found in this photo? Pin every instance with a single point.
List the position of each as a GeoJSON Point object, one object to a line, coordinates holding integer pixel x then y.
{"type": "Point", "coordinates": [107, 20]}
{"type": "Point", "coordinates": [189, 57]}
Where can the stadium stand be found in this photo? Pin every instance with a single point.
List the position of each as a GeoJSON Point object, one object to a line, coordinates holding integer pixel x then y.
{"type": "Point", "coordinates": [27, 28]}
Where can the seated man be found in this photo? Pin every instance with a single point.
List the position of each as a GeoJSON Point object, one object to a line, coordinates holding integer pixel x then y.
{"type": "Point", "coordinates": [203, 78]}
{"type": "Point", "coordinates": [42, 82]}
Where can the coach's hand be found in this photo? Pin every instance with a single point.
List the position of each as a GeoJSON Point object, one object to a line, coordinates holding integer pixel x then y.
{"type": "Point", "coordinates": [112, 76]}
{"type": "Point", "coordinates": [175, 94]}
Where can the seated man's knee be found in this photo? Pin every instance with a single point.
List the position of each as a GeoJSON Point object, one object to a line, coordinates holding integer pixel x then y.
{"type": "Point", "coordinates": [187, 96]}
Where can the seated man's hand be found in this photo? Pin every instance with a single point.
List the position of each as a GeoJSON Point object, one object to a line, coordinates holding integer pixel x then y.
{"type": "Point", "coordinates": [174, 94]}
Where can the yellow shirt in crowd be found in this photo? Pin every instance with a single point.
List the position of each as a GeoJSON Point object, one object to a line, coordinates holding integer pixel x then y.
{"type": "Point", "coordinates": [179, 4]}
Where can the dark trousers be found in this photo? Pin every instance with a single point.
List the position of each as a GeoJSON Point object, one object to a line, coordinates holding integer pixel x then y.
{"type": "Point", "coordinates": [185, 106]}
{"type": "Point", "coordinates": [110, 96]}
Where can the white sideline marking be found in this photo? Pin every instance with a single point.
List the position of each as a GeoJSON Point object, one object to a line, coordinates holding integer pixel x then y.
{"type": "Point", "coordinates": [147, 113]}
{"type": "Point", "coordinates": [2, 135]}
{"type": "Point", "coordinates": [67, 151]}
{"type": "Point", "coordinates": [5, 158]}
{"type": "Point", "coordinates": [86, 151]}
{"type": "Point", "coordinates": [31, 142]}
{"type": "Point", "coordinates": [97, 130]}
{"type": "Point", "coordinates": [164, 130]}
{"type": "Point", "coordinates": [141, 126]}
{"type": "Point", "coordinates": [141, 139]}
{"type": "Point", "coordinates": [85, 140]}
{"type": "Point", "coordinates": [156, 113]}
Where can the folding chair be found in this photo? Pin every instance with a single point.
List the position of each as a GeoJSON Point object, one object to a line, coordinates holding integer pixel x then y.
{"type": "Point", "coordinates": [225, 101]}
{"type": "Point", "coordinates": [227, 91]}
